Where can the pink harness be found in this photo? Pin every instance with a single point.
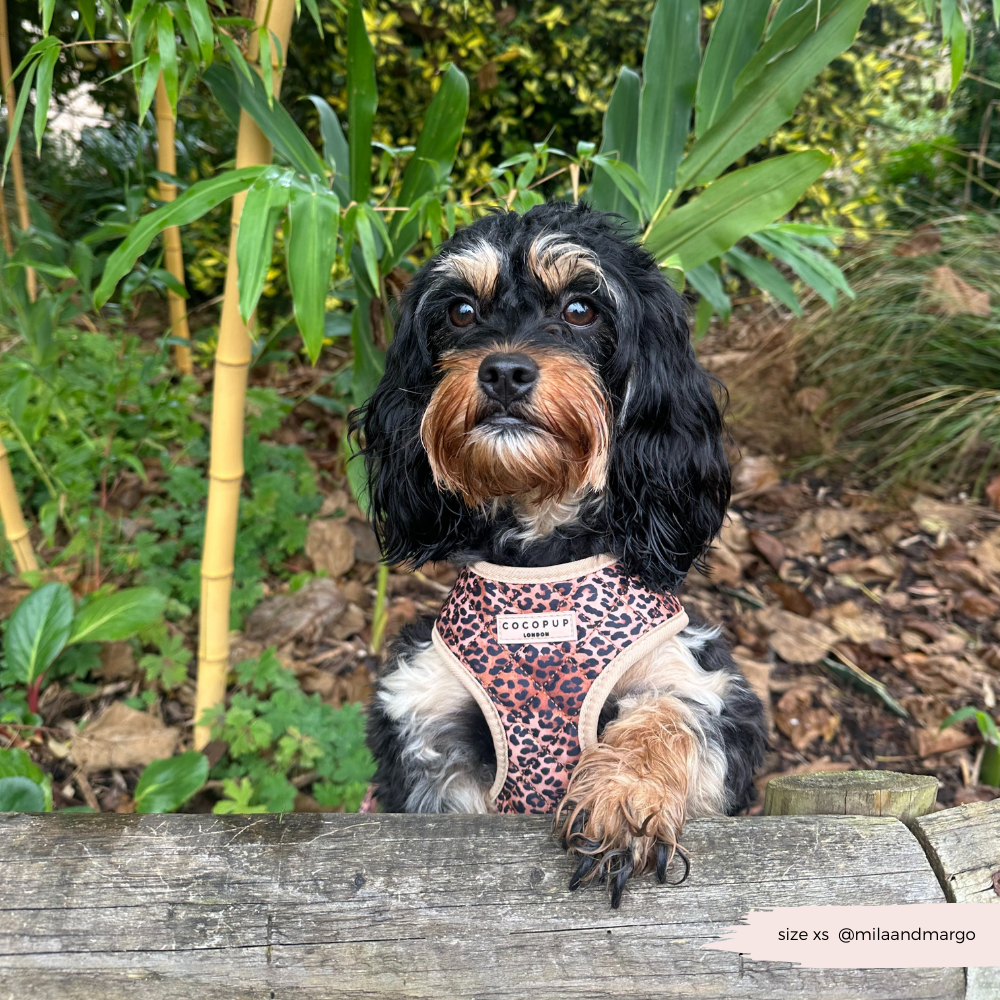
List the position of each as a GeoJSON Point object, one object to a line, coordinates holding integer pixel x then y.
{"type": "Point", "coordinates": [540, 651]}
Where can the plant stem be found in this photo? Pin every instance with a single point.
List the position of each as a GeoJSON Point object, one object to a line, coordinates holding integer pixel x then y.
{"type": "Point", "coordinates": [166, 162]}
{"type": "Point", "coordinates": [13, 520]}
{"type": "Point", "coordinates": [379, 613]}
{"type": "Point", "coordinates": [232, 362]}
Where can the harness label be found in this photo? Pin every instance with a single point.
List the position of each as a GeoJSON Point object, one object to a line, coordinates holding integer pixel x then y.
{"type": "Point", "coordinates": [558, 626]}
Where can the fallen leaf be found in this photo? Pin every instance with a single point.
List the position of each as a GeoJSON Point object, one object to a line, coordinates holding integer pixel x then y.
{"type": "Point", "coordinates": [951, 296]}
{"type": "Point", "coordinates": [758, 675]}
{"type": "Point", "coordinates": [931, 741]}
{"type": "Point", "coordinates": [121, 737]}
{"type": "Point", "coordinates": [925, 239]}
{"type": "Point", "coordinates": [12, 592]}
{"type": "Point", "coordinates": [754, 474]}
{"type": "Point", "coordinates": [929, 710]}
{"type": "Point", "coordinates": [797, 639]}
{"type": "Point", "coordinates": [724, 567]}
{"type": "Point", "coordinates": [978, 606]}
{"type": "Point", "coordinates": [330, 545]}
{"type": "Point", "coordinates": [803, 722]}
{"type": "Point", "coordinates": [993, 492]}
{"type": "Point", "coordinates": [305, 615]}
{"type": "Point", "coordinates": [365, 543]}
{"type": "Point", "coordinates": [857, 625]}
{"type": "Point", "coordinates": [351, 622]}
{"type": "Point", "coordinates": [811, 398]}
{"type": "Point", "coordinates": [335, 504]}
{"type": "Point", "coordinates": [935, 516]}
{"type": "Point", "coordinates": [117, 662]}
{"type": "Point", "coordinates": [792, 598]}
{"type": "Point", "coordinates": [987, 552]}
{"type": "Point", "coordinates": [734, 533]}
{"type": "Point", "coordinates": [833, 523]}
{"type": "Point", "coordinates": [939, 673]}
{"type": "Point", "coordinates": [768, 546]}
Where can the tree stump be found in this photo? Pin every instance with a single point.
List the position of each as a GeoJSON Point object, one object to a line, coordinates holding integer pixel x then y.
{"type": "Point", "coordinates": [851, 793]}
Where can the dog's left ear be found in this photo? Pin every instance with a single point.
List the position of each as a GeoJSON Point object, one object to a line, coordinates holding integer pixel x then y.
{"type": "Point", "coordinates": [668, 483]}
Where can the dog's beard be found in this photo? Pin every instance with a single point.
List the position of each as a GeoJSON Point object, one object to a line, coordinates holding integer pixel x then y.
{"type": "Point", "coordinates": [557, 448]}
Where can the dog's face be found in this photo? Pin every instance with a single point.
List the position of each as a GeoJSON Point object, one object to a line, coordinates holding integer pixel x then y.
{"type": "Point", "coordinates": [541, 364]}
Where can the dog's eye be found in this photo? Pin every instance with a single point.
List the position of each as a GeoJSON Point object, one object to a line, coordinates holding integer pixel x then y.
{"type": "Point", "coordinates": [461, 313]}
{"type": "Point", "coordinates": [579, 314]}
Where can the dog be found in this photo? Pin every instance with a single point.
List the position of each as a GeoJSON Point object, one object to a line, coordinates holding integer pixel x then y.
{"type": "Point", "coordinates": [543, 423]}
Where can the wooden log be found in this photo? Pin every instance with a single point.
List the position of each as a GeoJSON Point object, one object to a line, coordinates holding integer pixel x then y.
{"type": "Point", "coordinates": [320, 905]}
{"type": "Point", "coordinates": [851, 793]}
{"type": "Point", "coordinates": [963, 845]}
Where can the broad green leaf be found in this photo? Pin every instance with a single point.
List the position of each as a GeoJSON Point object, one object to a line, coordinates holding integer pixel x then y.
{"type": "Point", "coordinates": [369, 362]}
{"type": "Point", "coordinates": [735, 35]}
{"type": "Point", "coordinates": [15, 127]}
{"type": "Point", "coordinates": [335, 148]}
{"type": "Point", "coordinates": [21, 795]}
{"type": "Point", "coordinates": [705, 280]}
{"type": "Point", "coordinates": [362, 99]}
{"type": "Point", "coordinates": [959, 49]}
{"type": "Point", "coordinates": [38, 630]}
{"type": "Point", "coordinates": [770, 99]}
{"type": "Point", "coordinates": [167, 45]}
{"type": "Point", "coordinates": [135, 15]}
{"type": "Point", "coordinates": [615, 172]}
{"type": "Point", "coordinates": [47, 7]}
{"type": "Point", "coordinates": [88, 14]}
{"type": "Point", "coordinates": [147, 89]}
{"type": "Point", "coordinates": [186, 28]}
{"type": "Point", "coordinates": [201, 21]}
{"type": "Point", "coordinates": [765, 276]}
{"type": "Point", "coordinates": [815, 270]}
{"type": "Point", "coordinates": [949, 9]}
{"type": "Point", "coordinates": [43, 93]}
{"type": "Point", "coordinates": [621, 131]}
{"type": "Point", "coordinates": [737, 204]}
{"type": "Point", "coordinates": [434, 156]}
{"type": "Point", "coordinates": [165, 785]}
{"type": "Point", "coordinates": [255, 241]}
{"type": "Point", "coordinates": [15, 762]}
{"type": "Point", "coordinates": [784, 11]}
{"type": "Point", "coordinates": [191, 205]}
{"type": "Point", "coordinates": [313, 217]}
{"type": "Point", "coordinates": [118, 616]}
{"type": "Point", "coordinates": [288, 140]}
{"type": "Point", "coordinates": [366, 240]}
{"type": "Point", "coordinates": [960, 716]}
{"type": "Point", "coordinates": [669, 80]}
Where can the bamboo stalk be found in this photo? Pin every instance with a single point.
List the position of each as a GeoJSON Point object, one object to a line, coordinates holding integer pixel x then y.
{"type": "Point", "coordinates": [232, 361]}
{"type": "Point", "coordinates": [16, 167]}
{"type": "Point", "coordinates": [13, 520]}
{"type": "Point", "coordinates": [166, 162]}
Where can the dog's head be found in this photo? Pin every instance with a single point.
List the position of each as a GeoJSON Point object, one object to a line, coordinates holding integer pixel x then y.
{"type": "Point", "coordinates": [541, 365]}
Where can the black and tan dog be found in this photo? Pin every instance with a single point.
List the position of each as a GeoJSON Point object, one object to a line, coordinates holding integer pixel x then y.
{"type": "Point", "coordinates": [543, 423]}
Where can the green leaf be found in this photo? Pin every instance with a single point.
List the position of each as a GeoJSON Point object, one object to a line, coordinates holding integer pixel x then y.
{"type": "Point", "coordinates": [165, 785]}
{"type": "Point", "coordinates": [47, 7]}
{"type": "Point", "coordinates": [706, 282]}
{"type": "Point", "coordinates": [621, 132]}
{"type": "Point", "coordinates": [434, 156]}
{"type": "Point", "coordinates": [235, 56]}
{"type": "Point", "coordinates": [618, 173]}
{"type": "Point", "coordinates": [201, 21]}
{"type": "Point", "coordinates": [815, 270]}
{"type": "Point", "coordinates": [21, 795]}
{"type": "Point", "coordinates": [118, 616]}
{"type": "Point", "coordinates": [784, 10]}
{"type": "Point", "coordinates": [369, 362]}
{"type": "Point", "coordinates": [669, 80]}
{"type": "Point", "coordinates": [16, 762]}
{"type": "Point", "coordinates": [739, 203]}
{"type": "Point", "coordinates": [191, 205]}
{"type": "Point", "coordinates": [765, 276]}
{"type": "Point", "coordinates": [38, 630]}
{"type": "Point", "coordinates": [88, 14]}
{"type": "Point", "coordinates": [15, 127]}
{"type": "Point", "coordinates": [288, 140]}
{"type": "Point", "coordinates": [43, 93]}
{"type": "Point", "coordinates": [949, 9]}
{"type": "Point", "coordinates": [147, 89]}
{"type": "Point", "coordinates": [335, 148]}
{"type": "Point", "coordinates": [255, 241]}
{"type": "Point", "coordinates": [770, 99]}
{"type": "Point", "coordinates": [313, 217]}
{"type": "Point", "coordinates": [989, 770]}
{"type": "Point", "coordinates": [735, 35]}
{"type": "Point", "coordinates": [362, 99]}
{"type": "Point", "coordinates": [959, 49]}
{"type": "Point", "coordinates": [366, 240]}
{"type": "Point", "coordinates": [167, 45]}
{"type": "Point", "coordinates": [266, 66]}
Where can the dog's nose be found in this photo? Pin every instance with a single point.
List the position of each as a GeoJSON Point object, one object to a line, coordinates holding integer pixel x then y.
{"type": "Point", "coordinates": [507, 377]}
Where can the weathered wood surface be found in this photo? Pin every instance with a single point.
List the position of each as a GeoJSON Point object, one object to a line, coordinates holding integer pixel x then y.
{"type": "Point", "coordinates": [443, 907]}
{"type": "Point", "coordinates": [963, 845]}
{"type": "Point", "coordinates": [851, 793]}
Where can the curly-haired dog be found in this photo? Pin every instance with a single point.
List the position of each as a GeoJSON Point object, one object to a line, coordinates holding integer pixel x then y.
{"type": "Point", "coordinates": [543, 423]}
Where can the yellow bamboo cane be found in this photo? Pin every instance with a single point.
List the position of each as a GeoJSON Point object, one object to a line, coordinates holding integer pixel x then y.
{"type": "Point", "coordinates": [232, 361]}
{"type": "Point", "coordinates": [16, 167]}
{"type": "Point", "coordinates": [13, 520]}
{"type": "Point", "coordinates": [166, 162]}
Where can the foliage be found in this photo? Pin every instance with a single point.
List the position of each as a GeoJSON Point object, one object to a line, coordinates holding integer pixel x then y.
{"type": "Point", "coordinates": [165, 785]}
{"type": "Point", "coordinates": [912, 373]}
{"type": "Point", "coordinates": [24, 787]}
{"type": "Point", "coordinates": [989, 770]}
{"type": "Point", "coordinates": [275, 732]}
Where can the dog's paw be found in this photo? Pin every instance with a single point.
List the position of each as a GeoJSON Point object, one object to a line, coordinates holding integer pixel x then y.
{"type": "Point", "coordinates": [622, 819]}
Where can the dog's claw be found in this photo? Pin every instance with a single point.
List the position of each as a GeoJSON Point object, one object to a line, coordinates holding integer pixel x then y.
{"type": "Point", "coordinates": [618, 881]}
{"type": "Point", "coordinates": [587, 864]}
{"type": "Point", "coordinates": [662, 859]}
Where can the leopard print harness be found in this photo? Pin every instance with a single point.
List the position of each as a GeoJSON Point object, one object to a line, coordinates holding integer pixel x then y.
{"type": "Point", "coordinates": [540, 651]}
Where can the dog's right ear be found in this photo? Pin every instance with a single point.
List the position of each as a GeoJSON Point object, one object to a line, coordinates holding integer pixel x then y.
{"type": "Point", "coordinates": [414, 522]}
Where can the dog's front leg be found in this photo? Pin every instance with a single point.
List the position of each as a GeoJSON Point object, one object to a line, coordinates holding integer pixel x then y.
{"type": "Point", "coordinates": [628, 796]}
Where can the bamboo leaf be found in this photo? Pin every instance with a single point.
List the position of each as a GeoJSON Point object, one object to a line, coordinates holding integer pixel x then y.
{"type": "Point", "coordinates": [434, 156]}
{"type": "Point", "coordinates": [362, 99]}
{"type": "Point", "coordinates": [769, 100]}
{"type": "Point", "coordinates": [705, 280]}
{"type": "Point", "coordinates": [313, 217]}
{"type": "Point", "coordinates": [38, 630]}
{"type": "Point", "coordinates": [335, 148]}
{"type": "Point", "coordinates": [739, 203]}
{"type": "Point", "coordinates": [43, 93]}
{"type": "Point", "coordinates": [735, 35]}
{"type": "Point", "coordinates": [234, 55]}
{"type": "Point", "coordinates": [135, 14]}
{"type": "Point", "coordinates": [15, 126]}
{"type": "Point", "coordinates": [147, 89]}
{"type": "Point", "coordinates": [191, 205]}
{"type": "Point", "coordinates": [949, 8]}
{"type": "Point", "coordinates": [366, 240]}
{"type": "Point", "coordinates": [47, 6]}
{"type": "Point", "coordinates": [167, 45]}
{"type": "Point", "coordinates": [266, 67]}
{"type": "Point", "coordinates": [88, 14]}
{"type": "Point", "coordinates": [118, 616]}
{"type": "Point", "coordinates": [621, 132]}
{"type": "Point", "coordinates": [765, 276]}
{"type": "Point", "coordinates": [314, 12]}
{"type": "Point", "coordinates": [201, 21]}
{"type": "Point", "coordinates": [255, 241]}
{"type": "Point", "coordinates": [959, 48]}
{"type": "Point", "coordinates": [670, 77]}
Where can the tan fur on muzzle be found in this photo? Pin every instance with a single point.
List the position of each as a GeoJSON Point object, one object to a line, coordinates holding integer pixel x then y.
{"type": "Point", "coordinates": [561, 450]}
